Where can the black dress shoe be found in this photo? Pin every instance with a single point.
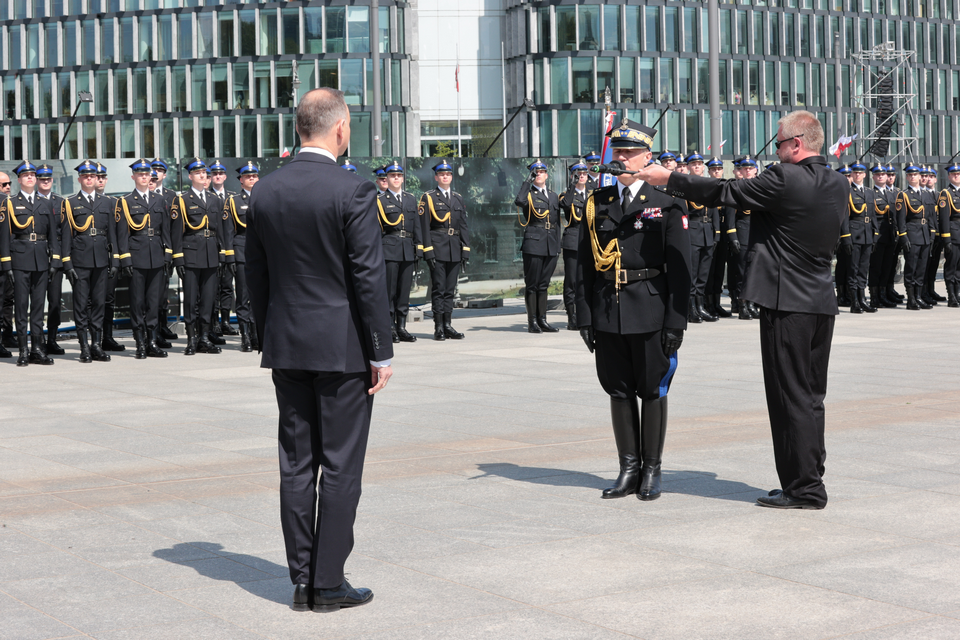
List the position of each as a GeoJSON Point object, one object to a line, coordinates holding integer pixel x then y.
{"type": "Point", "coordinates": [785, 501]}
{"type": "Point", "coordinates": [54, 348]}
{"type": "Point", "coordinates": [301, 597]}
{"type": "Point", "coordinates": [329, 600]}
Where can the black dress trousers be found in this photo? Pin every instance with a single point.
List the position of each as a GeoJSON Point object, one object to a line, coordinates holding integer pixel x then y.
{"type": "Point", "coordinates": [399, 281]}
{"type": "Point", "coordinates": [145, 285]}
{"type": "Point", "coordinates": [89, 294]}
{"type": "Point", "coordinates": [6, 304]}
{"type": "Point", "coordinates": [443, 279]}
{"type": "Point", "coordinates": [199, 294]}
{"type": "Point", "coordinates": [701, 262]}
{"type": "Point", "coordinates": [795, 350]}
{"type": "Point", "coordinates": [29, 289]}
{"type": "Point", "coordinates": [915, 265]}
{"type": "Point", "coordinates": [859, 266]}
{"type": "Point", "coordinates": [633, 365]}
{"type": "Point", "coordinates": [244, 314]}
{"type": "Point", "coordinates": [537, 271]}
{"type": "Point", "coordinates": [54, 303]}
{"type": "Point", "coordinates": [336, 446]}
{"type": "Point", "coordinates": [569, 279]}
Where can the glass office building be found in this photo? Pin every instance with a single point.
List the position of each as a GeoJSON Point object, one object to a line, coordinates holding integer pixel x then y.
{"type": "Point", "coordinates": [775, 56]}
{"type": "Point", "coordinates": [179, 78]}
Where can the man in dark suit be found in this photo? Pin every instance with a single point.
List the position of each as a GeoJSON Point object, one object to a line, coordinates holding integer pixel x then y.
{"type": "Point", "coordinates": [318, 288]}
{"type": "Point", "coordinates": [573, 201]}
{"type": "Point", "coordinates": [799, 206]}
{"type": "Point", "coordinates": [633, 284]}
{"type": "Point", "coordinates": [539, 213]}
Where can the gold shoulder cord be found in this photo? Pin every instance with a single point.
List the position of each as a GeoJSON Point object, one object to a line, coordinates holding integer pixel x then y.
{"type": "Point", "coordinates": [906, 200]}
{"type": "Point", "coordinates": [573, 215]}
{"type": "Point", "coordinates": [73, 222]}
{"type": "Point", "coordinates": [233, 208]}
{"type": "Point", "coordinates": [694, 206]}
{"type": "Point", "coordinates": [433, 211]}
{"type": "Point", "coordinates": [186, 219]}
{"type": "Point", "coordinates": [383, 216]}
{"type": "Point", "coordinates": [880, 212]}
{"type": "Point", "coordinates": [854, 209]}
{"type": "Point", "coordinates": [609, 256]}
{"type": "Point", "coordinates": [136, 227]}
{"type": "Point", "coordinates": [14, 220]}
{"type": "Point", "coordinates": [945, 195]}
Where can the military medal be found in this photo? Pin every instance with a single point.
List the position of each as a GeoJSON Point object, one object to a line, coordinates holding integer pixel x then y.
{"type": "Point", "coordinates": [638, 224]}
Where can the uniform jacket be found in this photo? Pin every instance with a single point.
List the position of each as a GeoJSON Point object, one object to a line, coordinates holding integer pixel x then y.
{"type": "Point", "coordinates": [573, 205]}
{"type": "Point", "coordinates": [196, 230]}
{"type": "Point", "coordinates": [650, 235]}
{"type": "Point", "coordinates": [948, 206]}
{"type": "Point", "coordinates": [540, 218]}
{"type": "Point", "coordinates": [703, 224]}
{"type": "Point", "coordinates": [315, 269]}
{"type": "Point", "coordinates": [56, 202]}
{"type": "Point", "coordinates": [799, 209]}
{"type": "Point", "coordinates": [136, 219]}
{"type": "Point", "coordinates": [88, 233]}
{"type": "Point", "coordinates": [443, 226]}
{"type": "Point", "coordinates": [20, 219]}
{"type": "Point", "coordinates": [235, 227]}
{"type": "Point", "coordinates": [737, 222]}
{"type": "Point", "coordinates": [913, 217]}
{"type": "Point", "coordinates": [860, 224]}
{"type": "Point", "coordinates": [885, 207]}
{"type": "Point", "coordinates": [930, 206]}
{"type": "Point", "coordinates": [400, 227]}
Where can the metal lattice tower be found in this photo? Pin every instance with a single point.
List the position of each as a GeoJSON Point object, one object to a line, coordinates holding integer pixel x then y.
{"type": "Point", "coordinates": [888, 89]}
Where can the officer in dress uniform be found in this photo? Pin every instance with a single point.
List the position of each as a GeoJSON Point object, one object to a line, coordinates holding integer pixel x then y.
{"type": "Point", "coordinates": [573, 201]}
{"type": "Point", "coordinates": [948, 206]}
{"type": "Point", "coordinates": [402, 248]}
{"type": "Point", "coordinates": [30, 255]}
{"type": "Point", "coordinates": [728, 219]}
{"type": "Point", "coordinates": [591, 159]}
{"type": "Point", "coordinates": [225, 295]}
{"type": "Point", "coordinates": [348, 167]}
{"type": "Point", "coordinates": [928, 181]}
{"type": "Point", "coordinates": [380, 177]}
{"type": "Point", "coordinates": [89, 230]}
{"type": "Point", "coordinates": [143, 236]}
{"type": "Point", "coordinates": [738, 238]}
{"type": "Point", "coordinates": [857, 236]}
{"type": "Point", "coordinates": [235, 230]}
{"type": "Point", "coordinates": [446, 236]}
{"type": "Point", "coordinates": [6, 291]}
{"type": "Point", "coordinates": [893, 192]}
{"type": "Point", "coordinates": [714, 286]}
{"type": "Point", "coordinates": [842, 269]}
{"type": "Point", "coordinates": [163, 333]}
{"type": "Point", "coordinates": [704, 228]}
{"type": "Point", "coordinates": [539, 214]}
{"type": "Point", "coordinates": [196, 230]}
{"type": "Point", "coordinates": [667, 160]}
{"type": "Point", "coordinates": [914, 219]}
{"type": "Point", "coordinates": [682, 164]}
{"type": "Point", "coordinates": [885, 247]}
{"type": "Point", "coordinates": [55, 282]}
{"type": "Point", "coordinates": [633, 282]}
{"type": "Point", "coordinates": [108, 343]}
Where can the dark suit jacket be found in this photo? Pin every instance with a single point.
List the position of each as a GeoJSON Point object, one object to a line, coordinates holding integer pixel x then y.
{"type": "Point", "coordinates": [138, 250]}
{"type": "Point", "coordinates": [81, 249]}
{"type": "Point", "coordinates": [798, 209]}
{"type": "Point", "coordinates": [23, 254]}
{"type": "Point", "coordinates": [650, 235]}
{"type": "Point", "coordinates": [315, 269]}
{"type": "Point", "coordinates": [396, 248]}
{"type": "Point", "coordinates": [203, 248]}
{"type": "Point", "coordinates": [447, 241]}
{"type": "Point", "coordinates": [541, 236]}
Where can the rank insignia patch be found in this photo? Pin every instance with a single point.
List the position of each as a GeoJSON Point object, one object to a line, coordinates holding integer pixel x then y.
{"type": "Point", "coordinates": [686, 223]}
{"type": "Point", "coordinates": [652, 212]}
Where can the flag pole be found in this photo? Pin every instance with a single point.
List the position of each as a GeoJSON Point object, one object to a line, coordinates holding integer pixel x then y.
{"type": "Point", "coordinates": [457, 76]}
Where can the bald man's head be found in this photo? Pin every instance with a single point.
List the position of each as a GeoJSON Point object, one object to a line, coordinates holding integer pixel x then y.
{"type": "Point", "coordinates": [4, 183]}
{"type": "Point", "coordinates": [319, 112]}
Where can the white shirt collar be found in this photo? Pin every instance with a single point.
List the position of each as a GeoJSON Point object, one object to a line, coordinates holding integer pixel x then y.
{"type": "Point", "coordinates": [199, 193]}
{"type": "Point", "coordinates": [634, 189]}
{"type": "Point", "coordinates": [246, 192]}
{"type": "Point", "coordinates": [318, 150]}
{"type": "Point", "coordinates": [222, 193]}
{"type": "Point", "coordinates": [445, 192]}
{"type": "Point", "coordinates": [92, 194]}
{"type": "Point", "coordinates": [144, 194]}
{"type": "Point", "coordinates": [397, 194]}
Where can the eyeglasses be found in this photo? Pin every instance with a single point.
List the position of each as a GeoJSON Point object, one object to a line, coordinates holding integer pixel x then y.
{"type": "Point", "coordinates": [780, 142]}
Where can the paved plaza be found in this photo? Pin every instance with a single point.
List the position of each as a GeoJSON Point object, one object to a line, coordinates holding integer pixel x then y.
{"type": "Point", "coordinates": [139, 499]}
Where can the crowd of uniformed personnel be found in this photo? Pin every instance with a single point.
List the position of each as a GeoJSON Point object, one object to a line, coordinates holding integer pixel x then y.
{"type": "Point", "coordinates": [95, 240]}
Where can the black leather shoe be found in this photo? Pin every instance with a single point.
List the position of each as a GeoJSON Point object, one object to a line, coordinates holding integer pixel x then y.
{"type": "Point", "coordinates": [54, 348]}
{"type": "Point", "coordinates": [227, 329]}
{"type": "Point", "coordinates": [329, 600]}
{"type": "Point", "coordinates": [167, 334]}
{"type": "Point", "coordinates": [215, 339]}
{"type": "Point", "coordinates": [785, 501]}
{"type": "Point", "coordinates": [301, 597]}
{"type": "Point", "coordinates": [4, 353]}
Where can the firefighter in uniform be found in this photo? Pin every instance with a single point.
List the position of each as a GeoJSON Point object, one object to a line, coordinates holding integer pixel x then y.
{"type": "Point", "coordinates": [55, 282]}
{"type": "Point", "coordinates": [842, 268]}
{"type": "Point", "coordinates": [738, 238]}
{"type": "Point", "coordinates": [633, 283]}
{"type": "Point", "coordinates": [704, 228]}
{"type": "Point", "coordinates": [29, 256]}
{"type": "Point", "coordinates": [885, 247]}
{"type": "Point", "coordinates": [573, 201]}
{"type": "Point", "coordinates": [948, 206]}
{"type": "Point", "coordinates": [928, 183]}
{"type": "Point", "coordinates": [163, 333]}
{"type": "Point", "coordinates": [591, 159]}
{"type": "Point", "coordinates": [196, 230]}
{"type": "Point", "coordinates": [402, 248]}
{"type": "Point", "coordinates": [446, 236]}
{"type": "Point", "coordinates": [108, 343]}
{"type": "Point", "coordinates": [235, 230]}
{"type": "Point", "coordinates": [913, 220]}
{"type": "Point", "coordinates": [713, 288]}
{"type": "Point", "coordinates": [143, 237]}
{"type": "Point", "coordinates": [857, 236]}
{"type": "Point", "coordinates": [539, 215]}
{"type": "Point", "coordinates": [889, 282]}
{"type": "Point", "coordinates": [89, 230]}
{"type": "Point", "coordinates": [225, 294]}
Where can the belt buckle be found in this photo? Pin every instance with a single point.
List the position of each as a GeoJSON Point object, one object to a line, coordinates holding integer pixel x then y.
{"type": "Point", "coordinates": [93, 231]}
{"type": "Point", "coordinates": [33, 237]}
{"type": "Point", "coordinates": [547, 225]}
{"type": "Point", "coordinates": [150, 232]}
{"type": "Point", "coordinates": [450, 231]}
{"type": "Point", "coordinates": [206, 233]}
{"type": "Point", "coordinates": [923, 221]}
{"type": "Point", "coordinates": [866, 219]}
{"type": "Point", "coordinates": [403, 234]}
{"type": "Point", "coordinates": [621, 276]}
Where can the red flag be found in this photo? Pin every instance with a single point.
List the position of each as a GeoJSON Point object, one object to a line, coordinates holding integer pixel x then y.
{"type": "Point", "coordinates": [456, 77]}
{"type": "Point", "coordinates": [285, 153]}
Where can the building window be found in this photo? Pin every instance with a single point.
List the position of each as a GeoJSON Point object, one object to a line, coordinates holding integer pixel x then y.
{"type": "Point", "coordinates": [651, 28]}
{"type": "Point", "coordinates": [139, 90]}
{"type": "Point", "coordinates": [634, 28]}
{"type": "Point", "coordinates": [566, 19]}
{"type": "Point", "coordinates": [248, 136]}
{"type": "Point", "coordinates": [261, 86]}
{"type": "Point", "coordinates": [689, 31]}
{"type": "Point", "coordinates": [628, 80]}
{"type": "Point", "coordinates": [268, 32]}
{"type": "Point", "coordinates": [313, 29]}
{"type": "Point", "coordinates": [358, 29]}
{"type": "Point", "coordinates": [159, 89]}
{"type": "Point", "coordinates": [248, 32]}
{"type": "Point", "coordinates": [591, 124]}
{"type": "Point", "coordinates": [559, 81]}
{"type": "Point", "coordinates": [686, 81]}
{"type": "Point", "coordinates": [291, 30]}
{"type": "Point", "coordinates": [666, 80]}
{"type": "Point", "coordinates": [120, 95]}
{"type": "Point", "coordinates": [351, 81]}
{"type": "Point", "coordinates": [179, 91]}
{"type": "Point", "coordinates": [589, 27]}
{"type": "Point", "coordinates": [606, 77]}
{"type": "Point", "coordinates": [221, 96]}
{"type": "Point", "coordinates": [611, 28]}
{"type": "Point", "coordinates": [186, 138]}
{"type": "Point", "coordinates": [583, 89]}
{"type": "Point", "coordinates": [647, 80]}
{"type": "Point", "coordinates": [546, 133]}
{"type": "Point", "coordinates": [567, 133]}
{"type": "Point", "coordinates": [543, 29]}
{"type": "Point", "coordinates": [225, 30]}
{"type": "Point", "coordinates": [329, 74]}
{"type": "Point", "coordinates": [205, 35]}
{"type": "Point", "coordinates": [228, 136]}
{"type": "Point", "coordinates": [241, 85]}
{"type": "Point", "coordinates": [208, 138]}
{"type": "Point", "coordinates": [336, 29]}
{"type": "Point", "coordinates": [198, 77]}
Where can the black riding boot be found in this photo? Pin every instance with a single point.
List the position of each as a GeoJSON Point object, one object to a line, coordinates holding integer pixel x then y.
{"type": "Point", "coordinates": [855, 302]}
{"type": "Point", "coordinates": [204, 345]}
{"type": "Point", "coordinates": [744, 313]}
{"type": "Point", "coordinates": [37, 356]}
{"type": "Point", "coordinates": [191, 348]}
{"type": "Point", "coordinates": [862, 297]}
{"type": "Point", "coordinates": [704, 311]}
{"type": "Point", "coordinates": [952, 299]}
{"type": "Point", "coordinates": [24, 358]}
{"type": "Point", "coordinates": [716, 307]}
{"type": "Point", "coordinates": [153, 346]}
{"type": "Point", "coordinates": [225, 327]}
{"type": "Point", "coordinates": [245, 346]}
{"type": "Point", "coordinates": [653, 431]}
{"type": "Point", "coordinates": [394, 337]}
{"type": "Point", "coordinates": [402, 333]}
{"type": "Point", "coordinates": [912, 304]}
{"type": "Point", "coordinates": [625, 416]}
{"type": "Point", "coordinates": [692, 315]}
{"type": "Point", "coordinates": [52, 346]}
{"type": "Point", "coordinates": [84, 346]}
{"type": "Point", "coordinates": [542, 313]}
{"type": "Point", "coordinates": [138, 338]}
{"type": "Point", "coordinates": [438, 333]}
{"type": "Point", "coordinates": [530, 300]}
{"type": "Point", "coordinates": [572, 318]}
{"type": "Point", "coordinates": [448, 329]}
{"type": "Point", "coordinates": [96, 350]}
{"type": "Point", "coordinates": [109, 344]}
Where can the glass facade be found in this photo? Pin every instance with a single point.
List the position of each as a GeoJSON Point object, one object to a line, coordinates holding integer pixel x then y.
{"type": "Point", "coordinates": [775, 56]}
{"type": "Point", "coordinates": [184, 77]}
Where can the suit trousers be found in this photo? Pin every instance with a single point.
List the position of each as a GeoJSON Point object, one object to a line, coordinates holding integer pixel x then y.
{"type": "Point", "coordinates": [199, 294]}
{"type": "Point", "coordinates": [537, 271]}
{"type": "Point", "coordinates": [244, 312]}
{"type": "Point", "coordinates": [29, 292]}
{"type": "Point", "coordinates": [6, 304]}
{"type": "Point", "coordinates": [633, 365]}
{"type": "Point", "coordinates": [701, 261]}
{"type": "Point", "coordinates": [145, 285]}
{"type": "Point", "coordinates": [225, 298]}
{"type": "Point", "coordinates": [795, 351]}
{"type": "Point", "coordinates": [859, 269]}
{"type": "Point", "coordinates": [569, 279]}
{"type": "Point", "coordinates": [443, 281]}
{"type": "Point", "coordinates": [399, 281]}
{"type": "Point", "coordinates": [933, 264]}
{"type": "Point", "coordinates": [883, 261]}
{"type": "Point", "coordinates": [841, 271]}
{"type": "Point", "coordinates": [714, 284]}
{"type": "Point", "coordinates": [738, 273]}
{"type": "Point", "coordinates": [915, 264]}
{"type": "Point", "coordinates": [89, 295]}
{"type": "Point", "coordinates": [54, 303]}
{"type": "Point", "coordinates": [950, 262]}
{"type": "Point", "coordinates": [324, 423]}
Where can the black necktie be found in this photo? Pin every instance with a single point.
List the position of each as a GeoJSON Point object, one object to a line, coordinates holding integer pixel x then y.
{"type": "Point", "coordinates": [627, 198]}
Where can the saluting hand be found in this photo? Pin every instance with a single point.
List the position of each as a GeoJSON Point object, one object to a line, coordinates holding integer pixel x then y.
{"type": "Point", "coordinates": [380, 377]}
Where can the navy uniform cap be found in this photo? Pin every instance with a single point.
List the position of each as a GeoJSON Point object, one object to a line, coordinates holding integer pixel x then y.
{"type": "Point", "coordinates": [737, 161]}
{"type": "Point", "coordinates": [536, 165]}
{"type": "Point", "coordinates": [349, 167]}
{"type": "Point", "coordinates": [694, 157]}
{"type": "Point", "coordinates": [681, 160]}
{"type": "Point", "coordinates": [25, 167]}
{"type": "Point", "coordinates": [394, 167]}
{"type": "Point", "coordinates": [217, 166]}
{"type": "Point", "coordinates": [443, 166]}
{"type": "Point", "coordinates": [593, 156]}
{"type": "Point", "coordinates": [845, 170]}
{"type": "Point", "coordinates": [856, 166]}
{"type": "Point", "coordinates": [929, 171]}
{"type": "Point", "coordinates": [380, 172]}
{"type": "Point", "coordinates": [44, 171]}
{"type": "Point", "coordinates": [954, 168]}
{"type": "Point", "coordinates": [578, 167]}
{"type": "Point", "coordinates": [140, 166]}
{"type": "Point", "coordinates": [631, 135]}
{"type": "Point", "coordinates": [892, 170]}
{"type": "Point", "coordinates": [86, 167]}
{"type": "Point", "coordinates": [101, 170]}
{"type": "Point", "coordinates": [666, 155]}
{"type": "Point", "coordinates": [154, 174]}
{"type": "Point", "coordinates": [252, 168]}
{"type": "Point", "coordinates": [196, 165]}
{"type": "Point", "coordinates": [715, 162]}
{"type": "Point", "coordinates": [748, 162]}
{"type": "Point", "coordinates": [878, 168]}
{"type": "Point", "coordinates": [159, 164]}
{"type": "Point", "coordinates": [912, 168]}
